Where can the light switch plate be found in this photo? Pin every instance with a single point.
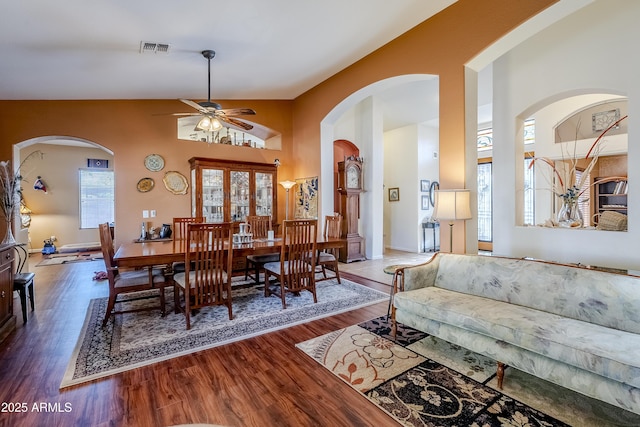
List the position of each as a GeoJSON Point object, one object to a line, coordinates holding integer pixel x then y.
{"type": "Point", "coordinates": [145, 214]}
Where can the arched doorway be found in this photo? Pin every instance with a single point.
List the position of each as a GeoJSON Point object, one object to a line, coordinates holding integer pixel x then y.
{"type": "Point", "coordinates": [56, 212]}
{"type": "Point", "coordinates": [368, 109]}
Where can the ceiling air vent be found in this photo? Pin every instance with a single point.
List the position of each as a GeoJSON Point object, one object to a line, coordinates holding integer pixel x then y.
{"type": "Point", "coordinates": [151, 47]}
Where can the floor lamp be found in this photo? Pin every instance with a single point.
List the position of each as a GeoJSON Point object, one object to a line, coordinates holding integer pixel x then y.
{"type": "Point", "coordinates": [287, 186]}
{"type": "Point", "coordinates": [452, 205]}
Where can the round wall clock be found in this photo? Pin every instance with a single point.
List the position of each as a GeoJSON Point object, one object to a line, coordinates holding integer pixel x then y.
{"type": "Point", "coordinates": [154, 162]}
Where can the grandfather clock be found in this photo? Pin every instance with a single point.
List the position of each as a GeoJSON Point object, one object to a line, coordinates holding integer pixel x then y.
{"type": "Point", "coordinates": [350, 187]}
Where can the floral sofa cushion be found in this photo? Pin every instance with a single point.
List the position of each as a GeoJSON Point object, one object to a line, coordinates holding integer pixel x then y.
{"type": "Point", "coordinates": [606, 299]}
{"type": "Point", "coordinates": [604, 351]}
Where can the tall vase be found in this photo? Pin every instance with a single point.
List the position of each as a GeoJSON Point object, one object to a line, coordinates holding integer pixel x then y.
{"type": "Point", "coordinates": [8, 237]}
{"type": "Point", "coordinates": [570, 215]}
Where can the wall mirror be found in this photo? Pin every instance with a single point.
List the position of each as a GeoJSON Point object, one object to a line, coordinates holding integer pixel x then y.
{"type": "Point", "coordinates": [572, 169]}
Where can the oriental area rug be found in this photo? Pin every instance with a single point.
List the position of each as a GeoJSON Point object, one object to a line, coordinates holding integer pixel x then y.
{"type": "Point", "coordinates": [141, 338]}
{"type": "Point", "coordinates": [420, 380]}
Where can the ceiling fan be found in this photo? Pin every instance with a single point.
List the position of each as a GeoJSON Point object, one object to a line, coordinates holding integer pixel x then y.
{"type": "Point", "coordinates": [214, 117]}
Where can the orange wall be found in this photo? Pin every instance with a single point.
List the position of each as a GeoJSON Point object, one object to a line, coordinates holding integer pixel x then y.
{"type": "Point", "coordinates": [132, 129]}
{"type": "Point", "coordinates": [439, 46]}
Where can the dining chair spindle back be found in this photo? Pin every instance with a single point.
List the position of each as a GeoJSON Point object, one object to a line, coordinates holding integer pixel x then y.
{"type": "Point", "coordinates": [128, 281]}
{"type": "Point", "coordinates": [206, 280]}
{"type": "Point", "coordinates": [295, 271]}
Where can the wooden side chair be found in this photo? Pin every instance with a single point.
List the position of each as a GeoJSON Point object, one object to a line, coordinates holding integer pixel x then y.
{"type": "Point", "coordinates": [23, 282]}
{"type": "Point", "coordinates": [128, 281]}
{"type": "Point", "coordinates": [205, 281]}
{"type": "Point", "coordinates": [295, 271]}
{"type": "Point", "coordinates": [260, 227]}
{"type": "Point", "coordinates": [329, 257]}
{"type": "Point", "coordinates": [180, 237]}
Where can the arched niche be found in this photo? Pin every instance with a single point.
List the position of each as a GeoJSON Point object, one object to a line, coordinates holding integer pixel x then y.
{"type": "Point", "coordinates": [573, 144]}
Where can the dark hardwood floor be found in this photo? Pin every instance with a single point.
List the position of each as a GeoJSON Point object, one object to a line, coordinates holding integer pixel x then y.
{"type": "Point", "coordinates": [262, 381]}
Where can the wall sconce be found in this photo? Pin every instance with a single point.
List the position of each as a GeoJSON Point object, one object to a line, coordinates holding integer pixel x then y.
{"type": "Point", "coordinates": [39, 185]}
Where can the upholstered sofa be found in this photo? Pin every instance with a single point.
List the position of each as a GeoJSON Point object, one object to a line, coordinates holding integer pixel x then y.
{"type": "Point", "coordinates": [573, 326]}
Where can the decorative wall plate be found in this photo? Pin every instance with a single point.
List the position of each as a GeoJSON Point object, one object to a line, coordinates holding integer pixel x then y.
{"type": "Point", "coordinates": [154, 162]}
{"type": "Point", "coordinates": [175, 182]}
{"type": "Point", "coordinates": [146, 185]}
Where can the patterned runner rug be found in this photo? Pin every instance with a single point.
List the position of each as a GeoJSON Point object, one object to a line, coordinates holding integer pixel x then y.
{"type": "Point", "coordinates": [57, 259]}
{"type": "Point", "coordinates": [421, 380]}
{"type": "Point", "coordinates": [136, 339]}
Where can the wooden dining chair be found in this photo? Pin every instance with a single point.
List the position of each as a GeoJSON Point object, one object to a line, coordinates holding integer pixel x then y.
{"type": "Point", "coordinates": [329, 257]}
{"type": "Point", "coordinates": [180, 237]}
{"type": "Point", "coordinates": [260, 227]}
{"type": "Point", "coordinates": [205, 281]}
{"type": "Point", "coordinates": [128, 281]}
{"type": "Point", "coordinates": [295, 271]}
{"type": "Point", "coordinates": [23, 281]}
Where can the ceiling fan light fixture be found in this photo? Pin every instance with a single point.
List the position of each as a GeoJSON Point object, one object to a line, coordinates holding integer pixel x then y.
{"type": "Point", "coordinates": [209, 124]}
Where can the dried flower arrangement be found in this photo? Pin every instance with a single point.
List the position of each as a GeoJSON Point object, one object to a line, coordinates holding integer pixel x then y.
{"type": "Point", "coordinates": [563, 181]}
{"type": "Point", "coordinates": [11, 193]}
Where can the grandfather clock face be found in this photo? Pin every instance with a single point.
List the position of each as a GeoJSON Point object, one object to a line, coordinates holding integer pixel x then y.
{"type": "Point", "coordinates": [353, 177]}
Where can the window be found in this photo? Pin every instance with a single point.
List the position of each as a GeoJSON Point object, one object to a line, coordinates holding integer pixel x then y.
{"type": "Point", "coordinates": [484, 202]}
{"type": "Point", "coordinates": [96, 197]}
{"type": "Point", "coordinates": [529, 191]}
{"type": "Point", "coordinates": [583, 199]}
{"type": "Point", "coordinates": [529, 173]}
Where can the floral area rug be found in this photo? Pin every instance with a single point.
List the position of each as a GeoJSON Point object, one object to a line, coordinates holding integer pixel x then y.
{"type": "Point", "coordinates": [137, 339]}
{"type": "Point", "coordinates": [416, 390]}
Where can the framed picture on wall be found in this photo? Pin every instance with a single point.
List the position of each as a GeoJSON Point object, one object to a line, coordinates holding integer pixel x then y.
{"type": "Point", "coordinates": [394, 194]}
{"type": "Point", "coordinates": [426, 202]}
{"type": "Point", "coordinates": [424, 185]}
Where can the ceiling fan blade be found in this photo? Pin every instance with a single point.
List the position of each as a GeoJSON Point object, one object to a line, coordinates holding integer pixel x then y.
{"type": "Point", "coordinates": [186, 114]}
{"type": "Point", "coordinates": [236, 122]}
{"type": "Point", "coordinates": [194, 105]}
{"type": "Point", "coordinates": [237, 111]}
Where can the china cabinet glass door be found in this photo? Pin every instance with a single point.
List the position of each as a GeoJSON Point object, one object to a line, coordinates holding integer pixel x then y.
{"type": "Point", "coordinates": [264, 193]}
{"type": "Point", "coordinates": [239, 195]}
{"type": "Point", "coordinates": [213, 195]}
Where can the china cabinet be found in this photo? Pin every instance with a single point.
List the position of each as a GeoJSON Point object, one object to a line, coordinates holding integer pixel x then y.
{"type": "Point", "coordinates": [224, 191]}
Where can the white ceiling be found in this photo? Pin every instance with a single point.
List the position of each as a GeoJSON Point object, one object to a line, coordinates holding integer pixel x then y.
{"type": "Point", "coordinates": [276, 49]}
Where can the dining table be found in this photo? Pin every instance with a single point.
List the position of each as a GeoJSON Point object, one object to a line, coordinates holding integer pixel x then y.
{"type": "Point", "coordinates": [149, 253]}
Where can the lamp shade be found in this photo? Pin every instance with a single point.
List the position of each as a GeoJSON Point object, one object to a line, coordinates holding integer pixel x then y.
{"type": "Point", "coordinates": [287, 184]}
{"type": "Point", "coordinates": [452, 204]}
{"type": "Point", "coordinates": [208, 124]}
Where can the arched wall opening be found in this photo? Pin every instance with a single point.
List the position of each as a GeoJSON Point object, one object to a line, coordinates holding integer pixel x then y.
{"type": "Point", "coordinates": [369, 138]}
{"type": "Point", "coordinates": [56, 212]}
{"type": "Point", "coordinates": [564, 135]}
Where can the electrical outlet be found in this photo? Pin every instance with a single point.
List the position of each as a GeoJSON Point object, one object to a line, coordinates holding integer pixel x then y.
{"type": "Point", "coordinates": [153, 213]}
{"type": "Point", "coordinates": [145, 214]}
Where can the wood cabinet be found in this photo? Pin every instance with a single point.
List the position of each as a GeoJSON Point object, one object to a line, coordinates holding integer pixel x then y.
{"type": "Point", "coordinates": [7, 318]}
{"type": "Point", "coordinates": [611, 194]}
{"type": "Point", "coordinates": [229, 191]}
